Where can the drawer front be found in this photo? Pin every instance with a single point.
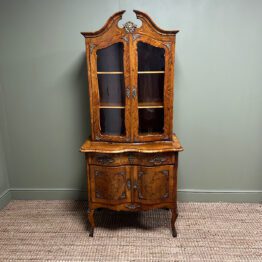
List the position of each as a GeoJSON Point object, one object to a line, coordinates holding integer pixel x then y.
{"type": "Point", "coordinates": [132, 159]}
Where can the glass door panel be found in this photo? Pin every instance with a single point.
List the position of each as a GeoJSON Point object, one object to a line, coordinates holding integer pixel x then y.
{"type": "Point", "coordinates": [150, 85]}
{"type": "Point", "coordinates": [151, 120]}
{"type": "Point", "coordinates": [111, 87]}
{"type": "Point", "coordinates": [112, 121]}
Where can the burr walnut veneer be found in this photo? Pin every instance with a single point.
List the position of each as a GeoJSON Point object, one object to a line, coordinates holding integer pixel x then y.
{"type": "Point", "coordinates": [132, 155]}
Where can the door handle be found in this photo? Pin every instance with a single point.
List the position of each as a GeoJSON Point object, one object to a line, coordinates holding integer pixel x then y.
{"type": "Point", "coordinates": [134, 92]}
{"type": "Point", "coordinates": [127, 92]}
{"type": "Point", "coordinates": [128, 184]}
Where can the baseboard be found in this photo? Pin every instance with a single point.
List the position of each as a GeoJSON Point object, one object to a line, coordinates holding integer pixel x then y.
{"type": "Point", "coordinates": [5, 198]}
{"type": "Point", "coordinates": [48, 194]}
{"type": "Point", "coordinates": [234, 196]}
{"type": "Point", "coordinates": [184, 195]}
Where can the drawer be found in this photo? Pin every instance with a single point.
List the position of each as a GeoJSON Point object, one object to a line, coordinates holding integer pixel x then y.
{"type": "Point", "coordinates": [145, 159]}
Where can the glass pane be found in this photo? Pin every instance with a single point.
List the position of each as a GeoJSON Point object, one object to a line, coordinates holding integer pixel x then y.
{"type": "Point", "coordinates": [110, 58]}
{"type": "Point", "coordinates": [150, 88]}
{"type": "Point", "coordinates": [111, 89]}
{"type": "Point", "coordinates": [112, 121]}
{"type": "Point", "coordinates": [151, 77]}
{"type": "Point", "coordinates": [150, 58]}
{"type": "Point", "coordinates": [151, 120]}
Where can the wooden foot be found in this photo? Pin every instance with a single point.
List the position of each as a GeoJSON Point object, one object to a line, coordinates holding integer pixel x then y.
{"type": "Point", "coordinates": [91, 221]}
{"type": "Point", "coordinates": [173, 220]}
{"type": "Point", "coordinates": [91, 233]}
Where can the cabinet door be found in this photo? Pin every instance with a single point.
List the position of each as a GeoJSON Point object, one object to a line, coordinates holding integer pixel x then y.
{"type": "Point", "coordinates": [109, 89]}
{"type": "Point", "coordinates": [110, 185]}
{"type": "Point", "coordinates": [154, 184]}
{"type": "Point", "coordinates": [153, 84]}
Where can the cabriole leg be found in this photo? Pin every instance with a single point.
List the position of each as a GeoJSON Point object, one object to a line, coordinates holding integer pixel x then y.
{"type": "Point", "coordinates": [91, 221]}
{"type": "Point", "coordinates": [173, 221]}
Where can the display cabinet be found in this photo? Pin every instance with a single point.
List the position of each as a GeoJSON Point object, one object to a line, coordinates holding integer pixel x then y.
{"type": "Point", "coordinates": [132, 155]}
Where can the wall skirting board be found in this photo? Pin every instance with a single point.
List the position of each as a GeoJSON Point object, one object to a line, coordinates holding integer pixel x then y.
{"type": "Point", "coordinates": [184, 195]}
{"type": "Point", "coordinates": [5, 198]}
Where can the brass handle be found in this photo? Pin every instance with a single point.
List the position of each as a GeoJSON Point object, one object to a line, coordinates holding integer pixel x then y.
{"type": "Point", "coordinates": [134, 92]}
{"type": "Point", "coordinates": [127, 92]}
{"type": "Point", "coordinates": [104, 160]}
{"type": "Point", "coordinates": [128, 184]}
{"type": "Point", "coordinates": [132, 206]}
{"type": "Point", "coordinates": [157, 160]}
{"type": "Point", "coordinates": [131, 159]}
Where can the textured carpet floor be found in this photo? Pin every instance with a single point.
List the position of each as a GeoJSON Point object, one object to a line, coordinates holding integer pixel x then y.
{"type": "Point", "coordinates": [58, 231]}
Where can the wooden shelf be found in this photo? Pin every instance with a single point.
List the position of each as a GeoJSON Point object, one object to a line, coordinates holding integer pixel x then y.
{"type": "Point", "coordinates": [111, 106]}
{"type": "Point", "coordinates": [110, 73]}
{"type": "Point", "coordinates": [120, 73]}
{"type": "Point", "coordinates": [151, 72]}
{"type": "Point", "coordinates": [150, 105]}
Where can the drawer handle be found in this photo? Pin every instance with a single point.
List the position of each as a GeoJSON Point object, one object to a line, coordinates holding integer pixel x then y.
{"type": "Point", "coordinates": [133, 206]}
{"type": "Point", "coordinates": [104, 160]}
{"type": "Point", "coordinates": [158, 160]}
{"type": "Point", "coordinates": [131, 159]}
{"type": "Point", "coordinates": [128, 184]}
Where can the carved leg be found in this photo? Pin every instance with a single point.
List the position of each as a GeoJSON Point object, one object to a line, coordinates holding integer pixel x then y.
{"type": "Point", "coordinates": [91, 221]}
{"type": "Point", "coordinates": [173, 220]}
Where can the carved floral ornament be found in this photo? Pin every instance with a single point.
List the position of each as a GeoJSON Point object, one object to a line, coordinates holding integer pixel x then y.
{"type": "Point", "coordinates": [130, 27]}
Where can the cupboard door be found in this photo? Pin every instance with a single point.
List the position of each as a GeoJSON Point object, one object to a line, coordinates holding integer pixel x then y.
{"type": "Point", "coordinates": [110, 83]}
{"type": "Point", "coordinates": [153, 184]}
{"type": "Point", "coordinates": [110, 185]}
{"type": "Point", "coordinates": [152, 82]}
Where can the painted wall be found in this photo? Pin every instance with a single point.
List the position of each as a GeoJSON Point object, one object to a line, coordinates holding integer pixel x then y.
{"type": "Point", "coordinates": [5, 195]}
{"type": "Point", "coordinates": [218, 94]}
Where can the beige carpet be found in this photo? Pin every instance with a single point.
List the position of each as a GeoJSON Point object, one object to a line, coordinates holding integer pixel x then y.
{"type": "Point", "coordinates": [57, 231]}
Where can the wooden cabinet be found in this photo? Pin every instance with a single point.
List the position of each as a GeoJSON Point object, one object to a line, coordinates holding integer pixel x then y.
{"type": "Point", "coordinates": [132, 155]}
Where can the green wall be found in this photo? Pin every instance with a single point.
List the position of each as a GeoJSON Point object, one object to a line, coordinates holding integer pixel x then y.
{"type": "Point", "coordinates": [218, 94]}
{"type": "Point", "coordinates": [5, 194]}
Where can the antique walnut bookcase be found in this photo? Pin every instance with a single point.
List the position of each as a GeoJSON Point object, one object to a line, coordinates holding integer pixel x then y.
{"type": "Point", "coordinates": [132, 155]}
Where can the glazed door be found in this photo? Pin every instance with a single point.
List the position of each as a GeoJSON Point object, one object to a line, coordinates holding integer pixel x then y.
{"type": "Point", "coordinates": [110, 80]}
{"type": "Point", "coordinates": [153, 103]}
{"type": "Point", "coordinates": [110, 184]}
{"type": "Point", "coordinates": [153, 184]}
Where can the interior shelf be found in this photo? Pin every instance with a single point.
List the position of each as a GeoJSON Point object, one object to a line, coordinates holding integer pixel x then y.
{"type": "Point", "coordinates": [151, 72]}
{"type": "Point", "coordinates": [120, 73]}
{"type": "Point", "coordinates": [110, 73]}
{"type": "Point", "coordinates": [150, 105]}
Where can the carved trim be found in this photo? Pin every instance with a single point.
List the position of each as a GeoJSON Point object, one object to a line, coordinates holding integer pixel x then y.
{"type": "Point", "coordinates": [135, 36]}
{"type": "Point", "coordinates": [123, 196]}
{"type": "Point", "coordinates": [140, 174]}
{"type": "Point", "coordinates": [130, 27]}
{"type": "Point", "coordinates": [98, 195]}
{"type": "Point", "coordinates": [168, 45]}
{"type": "Point", "coordinates": [165, 196]}
{"type": "Point", "coordinates": [165, 172]}
{"type": "Point", "coordinates": [97, 173]}
{"type": "Point", "coordinates": [125, 38]}
{"type": "Point", "coordinates": [92, 46]}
